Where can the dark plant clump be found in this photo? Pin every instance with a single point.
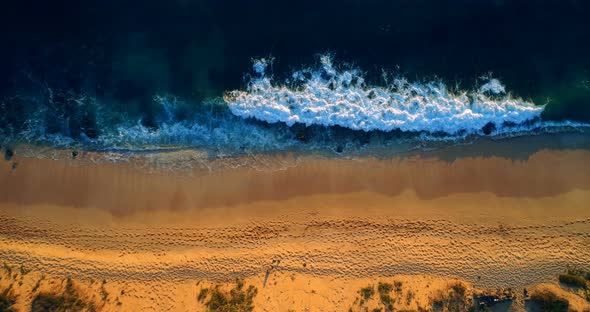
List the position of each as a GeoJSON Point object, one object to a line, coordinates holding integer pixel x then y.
{"type": "Point", "coordinates": [203, 294]}
{"type": "Point", "coordinates": [367, 292]}
{"type": "Point", "coordinates": [24, 271]}
{"type": "Point", "coordinates": [7, 268]}
{"type": "Point", "coordinates": [238, 299]}
{"type": "Point", "coordinates": [54, 302]}
{"type": "Point", "coordinates": [384, 290]}
{"type": "Point", "coordinates": [69, 300]}
{"type": "Point", "coordinates": [38, 284]}
{"type": "Point", "coordinates": [549, 302]}
{"type": "Point", "coordinates": [7, 300]}
{"type": "Point", "coordinates": [574, 278]}
{"type": "Point", "coordinates": [454, 299]}
{"type": "Point", "coordinates": [384, 287]}
{"type": "Point", "coordinates": [409, 297]}
{"type": "Point", "coordinates": [398, 287]}
{"type": "Point", "coordinates": [387, 301]}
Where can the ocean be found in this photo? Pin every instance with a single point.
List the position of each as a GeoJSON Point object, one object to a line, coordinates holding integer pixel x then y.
{"type": "Point", "coordinates": [249, 77]}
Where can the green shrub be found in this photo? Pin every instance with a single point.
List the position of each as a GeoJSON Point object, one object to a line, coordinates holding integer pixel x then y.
{"type": "Point", "coordinates": [238, 299]}
{"type": "Point", "coordinates": [384, 288]}
{"type": "Point", "coordinates": [46, 302]}
{"type": "Point", "coordinates": [7, 300]}
{"type": "Point", "coordinates": [387, 301]}
{"type": "Point", "coordinates": [453, 300]}
{"type": "Point", "coordinates": [367, 292]}
{"type": "Point", "coordinates": [203, 294]}
{"type": "Point", "coordinates": [69, 301]}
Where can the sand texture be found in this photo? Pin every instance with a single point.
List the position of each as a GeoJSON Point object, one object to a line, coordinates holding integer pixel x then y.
{"type": "Point", "coordinates": [335, 225]}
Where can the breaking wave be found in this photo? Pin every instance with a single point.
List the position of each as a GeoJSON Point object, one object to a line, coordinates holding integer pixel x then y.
{"type": "Point", "coordinates": [329, 108]}
{"type": "Point", "coordinates": [329, 96]}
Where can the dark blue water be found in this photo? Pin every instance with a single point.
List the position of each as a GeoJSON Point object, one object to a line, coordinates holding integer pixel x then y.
{"type": "Point", "coordinates": [138, 74]}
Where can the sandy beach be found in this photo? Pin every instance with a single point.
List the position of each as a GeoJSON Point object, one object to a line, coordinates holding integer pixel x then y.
{"type": "Point", "coordinates": [334, 225]}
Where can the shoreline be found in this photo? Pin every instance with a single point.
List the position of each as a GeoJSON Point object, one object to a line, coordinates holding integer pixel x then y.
{"type": "Point", "coordinates": [132, 189]}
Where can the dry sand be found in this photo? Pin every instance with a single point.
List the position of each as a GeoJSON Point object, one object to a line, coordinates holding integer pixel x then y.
{"type": "Point", "coordinates": [334, 225]}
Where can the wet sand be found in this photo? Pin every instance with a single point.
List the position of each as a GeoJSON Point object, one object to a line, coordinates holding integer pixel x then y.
{"type": "Point", "coordinates": [492, 221]}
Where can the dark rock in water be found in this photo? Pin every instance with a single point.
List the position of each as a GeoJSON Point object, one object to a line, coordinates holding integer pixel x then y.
{"type": "Point", "coordinates": [339, 149]}
{"type": "Point", "coordinates": [8, 153]}
{"type": "Point", "coordinates": [488, 128]}
{"type": "Point", "coordinates": [74, 154]}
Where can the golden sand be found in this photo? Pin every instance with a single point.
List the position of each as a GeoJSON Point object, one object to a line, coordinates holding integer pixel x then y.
{"type": "Point", "coordinates": [333, 224]}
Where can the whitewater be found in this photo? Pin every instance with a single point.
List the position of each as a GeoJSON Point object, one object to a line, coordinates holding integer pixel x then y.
{"type": "Point", "coordinates": [329, 96]}
{"type": "Point", "coordinates": [326, 108]}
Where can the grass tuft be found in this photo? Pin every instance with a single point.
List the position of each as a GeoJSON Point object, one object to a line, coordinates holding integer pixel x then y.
{"type": "Point", "coordinates": [24, 271]}
{"type": "Point", "coordinates": [7, 300]}
{"type": "Point", "coordinates": [7, 268]}
{"type": "Point", "coordinates": [68, 300]}
{"type": "Point", "coordinates": [237, 299]}
{"type": "Point", "coordinates": [384, 289]}
{"type": "Point", "coordinates": [367, 292]}
{"type": "Point", "coordinates": [549, 302]}
{"type": "Point", "coordinates": [203, 294]}
{"type": "Point", "coordinates": [453, 299]}
{"type": "Point", "coordinates": [398, 287]}
{"type": "Point", "coordinates": [574, 278]}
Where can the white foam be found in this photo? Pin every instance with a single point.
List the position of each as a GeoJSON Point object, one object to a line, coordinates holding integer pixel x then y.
{"type": "Point", "coordinates": [328, 96]}
{"type": "Point", "coordinates": [493, 86]}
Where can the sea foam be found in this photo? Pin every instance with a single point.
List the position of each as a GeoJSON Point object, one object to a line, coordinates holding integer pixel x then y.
{"type": "Point", "coordinates": [329, 96]}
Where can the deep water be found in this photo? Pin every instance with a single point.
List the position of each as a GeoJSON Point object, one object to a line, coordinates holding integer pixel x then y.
{"type": "Point", "coordinates": [136, 74]}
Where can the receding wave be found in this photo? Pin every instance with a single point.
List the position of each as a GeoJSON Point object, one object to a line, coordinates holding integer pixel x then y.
{"type": "Point", "coordinates": [328, 96]}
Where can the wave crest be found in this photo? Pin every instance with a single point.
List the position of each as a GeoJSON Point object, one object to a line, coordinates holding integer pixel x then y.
{"type": "Point", "coordinates": [328, 96]}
